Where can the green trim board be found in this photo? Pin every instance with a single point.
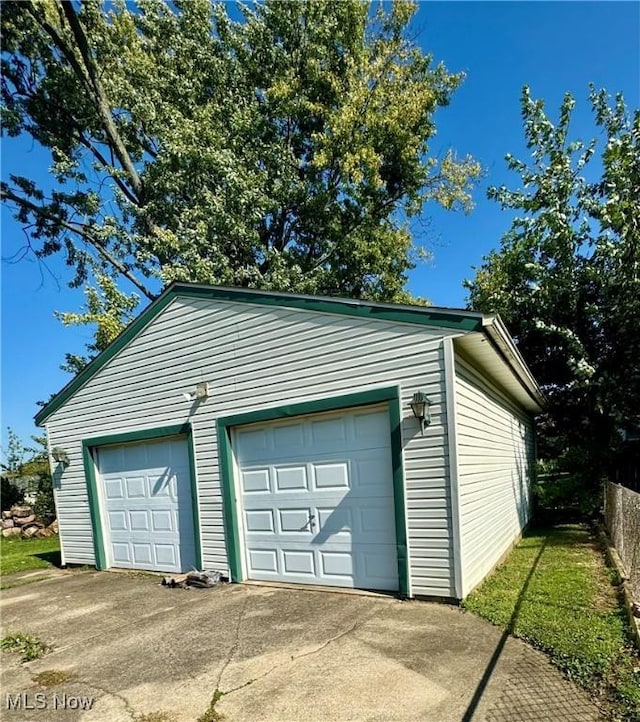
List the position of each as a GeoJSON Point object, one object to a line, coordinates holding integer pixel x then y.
{"type": "Point", "coordinates": [422, 315]}
{"type": "Point", "coordinates": [161, 432]}
{"type": "Point", "coordinates": [462, 321]}
{"type": "Point", "coordinates": [402, 547]}
{"type": "Point", "coordinates": [224, 424]}
{"type": "Point", "coordinates": [229, 502]}
{"type": "Point", "coordinates": [94, 509]}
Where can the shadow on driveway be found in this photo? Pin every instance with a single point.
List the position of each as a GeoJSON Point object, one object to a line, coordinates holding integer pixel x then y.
{"type": "Point", "coordinates": [275, 654]}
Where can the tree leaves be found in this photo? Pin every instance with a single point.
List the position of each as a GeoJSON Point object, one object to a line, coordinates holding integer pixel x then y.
{"type": "Point", "coordinates": [283, 150]}
{"type": "Point", "coordinates": [567, 276]}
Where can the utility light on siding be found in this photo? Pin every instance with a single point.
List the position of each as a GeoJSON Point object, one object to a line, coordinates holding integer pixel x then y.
{"type": "Point", "coordinates": [201, 392]}
{"type": "Point", "coordinates": [60, 456]}
{"type": "Point", "coordinates": [420, 406]}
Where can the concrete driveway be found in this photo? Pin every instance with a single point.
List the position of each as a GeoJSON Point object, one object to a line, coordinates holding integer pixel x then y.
{"type": "Point", "coordinates": [138, 648]}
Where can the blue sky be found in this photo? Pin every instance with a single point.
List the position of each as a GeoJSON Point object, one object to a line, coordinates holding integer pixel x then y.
{"type": "Point", "coordinates": [552, 47]}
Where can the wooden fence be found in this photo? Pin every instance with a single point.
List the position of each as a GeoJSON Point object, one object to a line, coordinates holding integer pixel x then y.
{"type": "Point", "coordinates": [622, 512]}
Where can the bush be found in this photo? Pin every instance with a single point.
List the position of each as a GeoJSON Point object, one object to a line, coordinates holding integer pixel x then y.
{"type": "Point", "coordinates": [44, 507]}
{"type": "Point", "coordinates": [562, 497]}
{"type": "Point", "coordinates": [11, 494]}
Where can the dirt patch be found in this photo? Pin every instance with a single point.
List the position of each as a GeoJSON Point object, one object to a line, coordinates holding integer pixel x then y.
{"type": "Point", "coordinates": [52, 677]}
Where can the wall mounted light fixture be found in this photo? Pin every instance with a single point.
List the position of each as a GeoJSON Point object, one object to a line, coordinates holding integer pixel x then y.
{"type": "Point", "coordinates": [60, 456]}
{"type": "Point", "coordinates": [420, 406]}
{"type": "Point", "coordinates": [201, 392]}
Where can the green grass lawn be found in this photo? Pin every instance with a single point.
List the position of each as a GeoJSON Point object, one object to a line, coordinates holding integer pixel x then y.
{"type": "Point", "coordinates": [17, 555]}
{"type": "Point", "coordinates": [556, 592]}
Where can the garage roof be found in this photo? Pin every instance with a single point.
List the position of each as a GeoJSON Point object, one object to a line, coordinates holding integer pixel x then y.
{"type": "Point", "coordinates": [478, 325]}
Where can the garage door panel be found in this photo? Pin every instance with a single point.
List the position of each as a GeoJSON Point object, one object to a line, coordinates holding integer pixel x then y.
{"type": "Point", "coordinates": [371, 474]}
{"type": "Point", "coordinates": [165, 554]}
{"type": "Point", "coordinates": [328, 485]}
{"type": "Point", "coordinates": [331, 476]}
{"type": "Point", "coordinates": [335, 521]}
{"type": "Point", "coordinates": [289, 436]}
{"type": "Point", "coordinates": [377, 566]}
{"type": "Point", "coordinates": [337, 564]}
{"type": "Point", "coordinates": [114, 489]}
{"type": "Point", "coordinates": [252, 442]}
{"type": "Point", "coordinates": [295, 520]}
{"type": "Point", "coordinates": [328, 431]}
{"type": "Point", "coordinates": [118, 521]}
{"type": "Point", "coordinates": [299, 562]}
{"type": "Point", "coordinates": [255, 481]}
{"type": "Point", "coordinates": [290, 478]}
{"type": "Point", "coordinates": [373, 520]}
{"type": "Point", "coordinates": [136, 487]}
{"type": "Point", "coordinates": [163, 484]}
{"type": "Point", "coordinates": [263, 560]}
{"type": "Point", "coordinates": [367, 426]}
{"type": "Point", "coordinates": [163, 520]}
{"type": "Point", "coordinates": [121, 554]}
{"type": "Point", "coordinates": [135, 457]}
{"type": "Point", "coordinates": [142, 554]}
{"type": "Point", "coordinates": [335, 434]}
{"type": "Point", "coordinates": [139, 520]}
{"type": "Point", "coordinates": [148, 510]}
{"type": "Point", "coordinates": [111, 459]}
{"type": "Point", "coordinates": [259, 520]}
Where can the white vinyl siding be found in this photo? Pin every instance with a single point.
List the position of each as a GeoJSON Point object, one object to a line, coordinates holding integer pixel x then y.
{"type": "Point", "coordinates": [495, 454]}
{"type": "Point", "coordinates": [256, 357]}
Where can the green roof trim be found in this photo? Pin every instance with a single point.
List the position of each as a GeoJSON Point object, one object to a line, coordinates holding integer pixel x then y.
{"type": "Point", "coordinates": [463, 321]}
{"type": "Point", "coordinates": [423, 315]}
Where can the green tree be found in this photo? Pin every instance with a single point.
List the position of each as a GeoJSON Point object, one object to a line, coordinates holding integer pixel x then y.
{"type": "Point", "coordinates": [566, 278]}
{"type": "Point", "coordinates": [13, 456]}
{"type": "Point", "coordinates": [26, 469]}
{"type": "Point", "coordinates": [285, 150]}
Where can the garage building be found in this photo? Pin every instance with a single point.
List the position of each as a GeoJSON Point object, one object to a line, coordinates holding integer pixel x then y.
{"type": "Point", "coordinates": [298, 439]}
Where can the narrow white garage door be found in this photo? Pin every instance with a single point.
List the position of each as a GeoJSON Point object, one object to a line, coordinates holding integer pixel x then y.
{"type": "Point", "coordinates": [317, 500]}
{"type": "Point", "coordinates": [147, 512]}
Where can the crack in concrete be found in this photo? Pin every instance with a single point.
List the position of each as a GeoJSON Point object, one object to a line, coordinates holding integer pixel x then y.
{"type": "Point", "coordinates": [310, 653]}
{"type": "Point", "coordinates": [127, 705]}
{"type": "Point", "coordinates": [236, 641]}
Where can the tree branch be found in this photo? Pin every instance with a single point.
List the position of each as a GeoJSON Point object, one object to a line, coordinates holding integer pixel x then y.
{"type": "Point", "coordinates": [104, 107]}
{"type": "Point", "coordinates": [88, 144]}
{"type": "Point", "coordinates": [79, 230]}
{"type": "Point", "coordinates": [109, 168]}
{"type": "Point", "coordinates": [89, 78]}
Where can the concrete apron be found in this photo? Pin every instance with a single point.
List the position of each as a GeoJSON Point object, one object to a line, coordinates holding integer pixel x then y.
{"type": "Point", "coordinates": [283, 655]}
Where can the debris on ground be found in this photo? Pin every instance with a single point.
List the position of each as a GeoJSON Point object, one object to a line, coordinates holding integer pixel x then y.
{"type": "Point", "coordinates": [195, 579]}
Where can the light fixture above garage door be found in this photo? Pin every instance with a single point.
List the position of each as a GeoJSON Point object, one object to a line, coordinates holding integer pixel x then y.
{"type": "Point", "coordinates": [420, 404]}
{"type": "Point", "coordinates": [201, 392]}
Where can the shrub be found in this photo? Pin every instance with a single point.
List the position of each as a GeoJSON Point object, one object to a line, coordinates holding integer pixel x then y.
{"type": "Point", "coordinates": [562, 497]}
{"type": "Point", "coordinates": [44, 506]}
{"type": "Point", "coordinates": [11, 494]}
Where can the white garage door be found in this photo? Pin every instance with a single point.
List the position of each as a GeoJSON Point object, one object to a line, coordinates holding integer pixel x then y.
{"type": "Point", "coordinates": [147, 512]}
{"type": "Point", "coordinates": [317, 500]}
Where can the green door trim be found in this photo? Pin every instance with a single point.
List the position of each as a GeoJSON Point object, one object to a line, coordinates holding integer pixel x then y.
{"type": "Point", "coordinates": [225, 424]}
{"type": "Point", "coordinates": [90, 473]}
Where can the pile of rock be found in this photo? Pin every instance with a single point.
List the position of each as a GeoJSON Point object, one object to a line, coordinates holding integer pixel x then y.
{"type": "Point", "coordinates": [21, 521]}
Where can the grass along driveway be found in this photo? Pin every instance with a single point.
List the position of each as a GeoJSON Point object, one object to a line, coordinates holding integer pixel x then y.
{"type": "Point", "coordinates": [556, 592]}
{"type": "Point", "coordinates": [18, 555]}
